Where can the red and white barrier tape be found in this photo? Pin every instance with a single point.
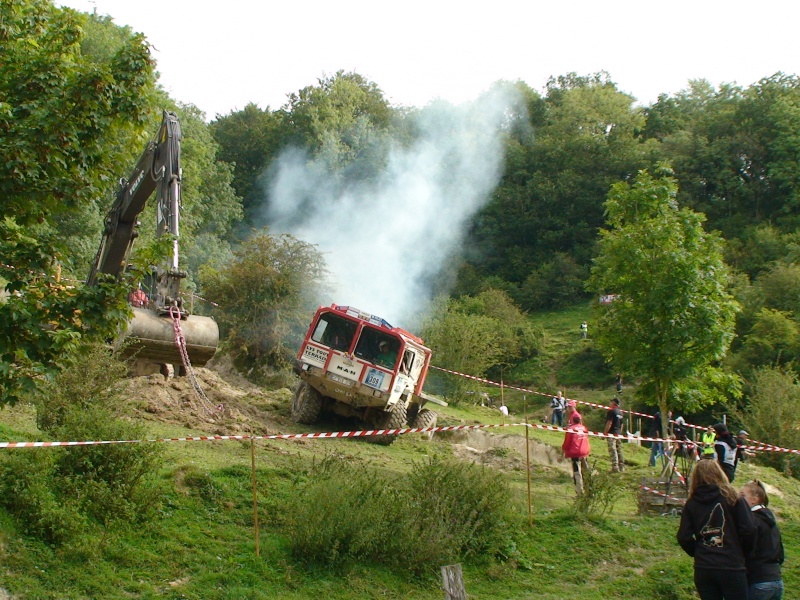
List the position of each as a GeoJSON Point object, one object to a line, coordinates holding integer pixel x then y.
{"type": "Point", "coordinates": [662, 494]}
{"type": "Point", "coordinates": [282, 436]}
{"type": "Point", "coordinates": [331, 435]}
{"type": "Point", "coordinates": [526, 390]}
{"type": "Point", "coordinates": [757, 446]}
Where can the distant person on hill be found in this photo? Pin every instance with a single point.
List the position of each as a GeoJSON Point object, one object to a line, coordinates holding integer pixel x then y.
{"type": "Point", "coordinates": [504, 409]}
{"type": "Point", "coordinates": [614, 420]}
{"type": "Point", "coordinates": [576, 447]}
{"type": "Point", "coordinates": [584, 330]}
{"type": "Point", "coordinates": [742, 440]}
{"type": "Point", "coordinates": [618, 383]}
{"type": "Point", "coordinates": [765, 560]}
{"type": "Point", "coordinates": [717, 530]}
{"type": "Point", "coordinates": [557, 404]}
{"type": "Point", "coordinates": [727, 450]}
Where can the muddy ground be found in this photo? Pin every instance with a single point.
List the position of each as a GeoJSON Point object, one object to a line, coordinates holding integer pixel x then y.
{"type": "Point", "coordinates": [227, 404]}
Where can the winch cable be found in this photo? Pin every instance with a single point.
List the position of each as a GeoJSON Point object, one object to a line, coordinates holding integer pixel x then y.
{"type": "Point", "coordinates": [180, 342]}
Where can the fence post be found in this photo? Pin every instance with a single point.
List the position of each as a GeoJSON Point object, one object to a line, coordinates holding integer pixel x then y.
{"type": "Point", "coordinates": [453, 583]}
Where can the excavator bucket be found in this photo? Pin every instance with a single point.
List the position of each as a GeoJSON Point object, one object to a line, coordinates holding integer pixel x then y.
{"type": "Point", "coordinates": [151, 338]}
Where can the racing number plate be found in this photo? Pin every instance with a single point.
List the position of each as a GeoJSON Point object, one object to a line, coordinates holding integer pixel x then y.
{"type": "Point", "coordinates": [339, 379]}
{"type": "Point", "coordinates": [374, 378]}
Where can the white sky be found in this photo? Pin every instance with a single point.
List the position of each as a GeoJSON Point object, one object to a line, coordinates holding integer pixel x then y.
{"type": "Point", "coordinates": [224, 54]}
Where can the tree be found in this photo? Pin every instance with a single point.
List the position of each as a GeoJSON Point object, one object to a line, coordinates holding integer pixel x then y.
{"type": "Point", "coordinates": [249, 139]}
{"type": "Point", "coordinates": [580, 139]}
{"type": "Point", "coordinates": [479, 334]}
{"type": "Point", "coordinates": [265, 296]}
{"type": "Point", "coordinates": [672, 318]}
{"type": "Point", "coordinates": [771, 415]}
{"type": "Point", "coordinates": [62, 114]}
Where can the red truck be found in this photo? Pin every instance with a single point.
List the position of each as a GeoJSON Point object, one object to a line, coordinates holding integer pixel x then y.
{"type": "Point", "coordinates": [357, 365]}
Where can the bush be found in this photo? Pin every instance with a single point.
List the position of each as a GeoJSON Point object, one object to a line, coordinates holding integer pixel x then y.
{"type": "Point", "coordinates": [57, 493]}
{"type": "Point", "coordinates": [600, 492]}
{"type": "Point", "coordinates": [439, 513]}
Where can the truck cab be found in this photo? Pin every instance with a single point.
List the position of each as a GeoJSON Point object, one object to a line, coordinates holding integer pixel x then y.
{"type": "Point", "coordinates": [358, 365]}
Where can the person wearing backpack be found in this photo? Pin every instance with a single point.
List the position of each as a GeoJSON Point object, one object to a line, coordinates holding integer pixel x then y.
{"type": "Point", "coordinates": [557, 404]}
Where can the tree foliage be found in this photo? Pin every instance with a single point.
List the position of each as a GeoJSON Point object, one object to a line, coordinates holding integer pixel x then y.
{"type": "Point", "coordinates": [266, 295]}
{"type": "Point", "coordinates": [62, 114]}
{"type": "Point", "coordinates": [672, 318]}
{"type": "Point", "coordinates": [478, 335]}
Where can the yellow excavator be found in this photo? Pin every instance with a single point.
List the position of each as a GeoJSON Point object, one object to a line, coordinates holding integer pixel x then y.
{"type": "Point", "coordinates": [150, 337]}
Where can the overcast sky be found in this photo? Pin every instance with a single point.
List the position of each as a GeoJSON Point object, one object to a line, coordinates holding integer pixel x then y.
{"type": "Point", "coordinates": [222, 55]}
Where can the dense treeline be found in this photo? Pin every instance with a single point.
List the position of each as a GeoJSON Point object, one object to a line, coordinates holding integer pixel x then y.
{"type": "Point", "coordinates": [80, 99]}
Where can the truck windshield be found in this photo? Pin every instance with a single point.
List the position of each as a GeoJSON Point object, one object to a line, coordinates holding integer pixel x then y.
{"type": "Point", "coordinates": [377, 347]}
{"type": "Point", "coordinates": [334, 331]}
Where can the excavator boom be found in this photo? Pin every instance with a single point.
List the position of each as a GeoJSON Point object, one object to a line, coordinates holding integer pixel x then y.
{"type": "Point", "coordinates": [150, 335]}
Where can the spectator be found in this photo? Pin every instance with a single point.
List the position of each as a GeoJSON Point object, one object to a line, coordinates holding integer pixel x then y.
{"type": "Point", "coordinates": [576, 447]}
{"type": "Point", "coordinates": [685, 446]}
{"type": "Point", "coordinates": [572, 410]}
{"type": "Point", "coordinates": [765, 560]}
{"type": "Point", "coordinates": [717, 530]}
{"type": "Point", "coordinates": [614, 420]}
{"type": "Point", "coordinates": [708, 442]}
{"type": "Point", "coordinates": [742, 440]}
{"type": "Point", "coordinates": [557, 404]}
{"type": "Point", "coordinates": [657, 448]}
{"type": "Point", "coordinates": [727, 450]}
{"type": "Point", "coordinates": [584, 330]}
{"type": "Point", "coordinates": [504, 409]}
{"type": "Point", "coordinates": [619, 383]}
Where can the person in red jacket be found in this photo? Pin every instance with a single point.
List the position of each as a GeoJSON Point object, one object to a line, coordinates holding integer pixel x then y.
{"type": "Point", "coordinates": [576, 447]}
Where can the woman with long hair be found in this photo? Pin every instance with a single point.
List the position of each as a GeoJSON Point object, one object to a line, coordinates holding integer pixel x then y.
{"type": "Point", "coordinates": [765, 560]}
{"type": "Point", "coordinates": [717, 531]}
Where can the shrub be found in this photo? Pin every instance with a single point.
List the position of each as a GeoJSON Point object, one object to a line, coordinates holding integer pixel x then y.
{"type": "Point", "coordinates": [600, 492]}
{"type": "Point", "coordinates": [439, 513]}
{"type": "Point", "coordinates": [57, 493]}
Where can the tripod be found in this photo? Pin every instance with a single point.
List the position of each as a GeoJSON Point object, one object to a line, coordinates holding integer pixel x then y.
{"type": "Point", "coordinates": [678, 461]}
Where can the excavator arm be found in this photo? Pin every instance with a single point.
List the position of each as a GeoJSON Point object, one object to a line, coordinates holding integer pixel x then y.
{"type": "Point", "coordinates": [157, 168]}
{"type": "Point", "coordinates": [151, 333]}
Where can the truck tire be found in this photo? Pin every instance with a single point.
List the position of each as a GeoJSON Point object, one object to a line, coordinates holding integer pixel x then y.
{"type": "Point", "coordinates": [395, 419]}
{"type": "Point", "coordinates": [306, 405]}
{"type": "Point", "coordinates": [425, 418]}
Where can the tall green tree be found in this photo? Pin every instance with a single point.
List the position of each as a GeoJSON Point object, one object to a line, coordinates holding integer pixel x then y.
{"type": "Point", "coordinates": [62, 113]}
{"type": "Point", "coordinates": [672, 319]}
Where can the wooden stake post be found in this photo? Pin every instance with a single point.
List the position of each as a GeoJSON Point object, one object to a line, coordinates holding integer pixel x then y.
{"type": "Point", "coordinates": [453, 583]}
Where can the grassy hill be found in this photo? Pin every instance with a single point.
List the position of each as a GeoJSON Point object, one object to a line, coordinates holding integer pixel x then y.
{"type": "Point", "coordinates": [202, 543]}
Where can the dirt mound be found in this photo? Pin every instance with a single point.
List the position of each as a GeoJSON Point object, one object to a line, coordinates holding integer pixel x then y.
{"type": "Point", "coordinates": [227, 405]}
{"type": "Point", "coordinates": [503, 452]}
{"type": "Point", "coordinates": [230, 405]}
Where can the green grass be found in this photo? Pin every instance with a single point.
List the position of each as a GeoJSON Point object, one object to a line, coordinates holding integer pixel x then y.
{"type": "Point", "coordinates": [202, 544]}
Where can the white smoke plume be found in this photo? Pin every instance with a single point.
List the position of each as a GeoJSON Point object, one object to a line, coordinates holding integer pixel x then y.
{"type": "Point", "coordinates": [386, 240]}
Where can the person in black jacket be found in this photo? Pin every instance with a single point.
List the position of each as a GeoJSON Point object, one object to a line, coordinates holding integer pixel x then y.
{"type": "Point", "coordinates": [765, 560]}
{"type": "Point", "coordinates": [718, 531]}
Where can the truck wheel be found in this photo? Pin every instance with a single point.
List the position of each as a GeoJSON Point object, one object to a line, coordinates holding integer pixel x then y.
{"type": "Point", "coordinates": [306, 405]}
{"type": "Point", "coordinates": [396, 419]}
{"type": "Point", "coordinates": [411, 414]}
{"type": "Point", "coordinates": [425, 418]}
